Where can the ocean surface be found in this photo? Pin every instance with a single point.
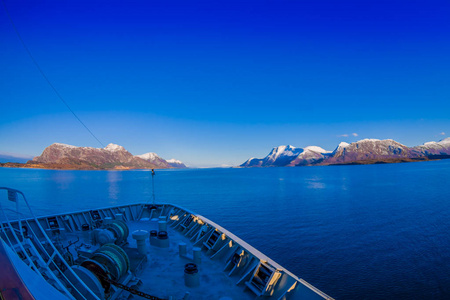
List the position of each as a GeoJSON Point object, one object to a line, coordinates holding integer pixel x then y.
{"type": "Point", "coordinates": [355, 232]}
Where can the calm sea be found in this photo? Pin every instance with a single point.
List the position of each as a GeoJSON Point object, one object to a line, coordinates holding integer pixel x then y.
{"type": "Point", "coordinates": [355, 232]}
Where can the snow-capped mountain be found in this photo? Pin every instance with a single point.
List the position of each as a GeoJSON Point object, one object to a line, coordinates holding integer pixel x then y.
{"type": "Point", "coordinates": [176, 163]}
{"type": "Point", "coordinates": [252, 162]}
{"type": "Point", "coordinates": [310, 155]}
{"type": "Point", "coordinates": [368, 150]}
{"type": "Point", "coordinates": [340, 147]}
{"type": "Point", "coordinates": [154, 159]}
{"type": "Point", "coordinates": [62, 156]}
{"type": "Point", "coordinates": [113, 148]}
{"type": "Point", "coordinates": [157, 160]}
{"type": "Point", "coordinates": [149, 156]}
{"type": "Point", "coordinates": [110, 157]}
{"type": "Point", "coordinates": [361, 152]}
{"type": "Point", "coordinates": [434, 148]}
{"type": "Point", "coordinates": [279, 156]}
{"type": "Point", "coordinates": [288, 156]}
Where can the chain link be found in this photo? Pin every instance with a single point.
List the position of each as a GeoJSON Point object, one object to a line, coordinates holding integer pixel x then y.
{"type": "Point", "coordinates": [131, 290]}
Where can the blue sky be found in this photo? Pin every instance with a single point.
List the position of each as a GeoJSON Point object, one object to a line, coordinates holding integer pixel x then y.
{"type": "Point", "coordinates": [215, 82]}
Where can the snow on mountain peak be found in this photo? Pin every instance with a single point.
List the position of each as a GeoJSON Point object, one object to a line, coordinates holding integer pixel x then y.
{"type": "Point", "coordinates": [113, 147]}
{"type": "Point", "coordinates": [368, 140]}
{"type": "Point", "coordinates": [64, 145]}
{"type": "Point", "coordinates": [445, 141]}
{"type": "Point", "coordinates": [285, 150]}
{"type": "Point", "coordinates": [362, 151]}
{"type": "Point", "coordinates": [384, 142]}
{"type": "Point", "coordinates": [280, 149]}
{"type": "Point", "coordinates": [148, 156]}
{"type": "Point", "coordinates": [316, 149]}
{"type": "Point", "coordinates": [341, 146]}
{"type": "Point", "coordinates": [442, 144]}
{"type": "Point", "coordinates": [174, 161]}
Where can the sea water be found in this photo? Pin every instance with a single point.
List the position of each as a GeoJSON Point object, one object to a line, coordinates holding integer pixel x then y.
{"type": "Point", "coordinates": [354, 232]}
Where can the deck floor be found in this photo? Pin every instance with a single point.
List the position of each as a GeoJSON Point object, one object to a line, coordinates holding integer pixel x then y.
{"type": "Point", "coordinates": [163, 275]}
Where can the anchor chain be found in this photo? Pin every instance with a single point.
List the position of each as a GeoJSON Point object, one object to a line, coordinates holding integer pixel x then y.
{"type": "Point", "coordinates": [131, 290]}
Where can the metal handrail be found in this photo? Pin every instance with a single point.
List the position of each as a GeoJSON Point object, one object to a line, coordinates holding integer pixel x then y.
{"type": "Point", "coordinates": [14, 192]}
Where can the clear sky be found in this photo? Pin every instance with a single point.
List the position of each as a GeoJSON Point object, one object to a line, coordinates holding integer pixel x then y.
{"type": "Point", "coordinates": [216, 82]}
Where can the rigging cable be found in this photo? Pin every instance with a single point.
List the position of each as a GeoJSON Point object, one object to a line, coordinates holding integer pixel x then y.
{"type": "Point", "coordinates": [43, 74]}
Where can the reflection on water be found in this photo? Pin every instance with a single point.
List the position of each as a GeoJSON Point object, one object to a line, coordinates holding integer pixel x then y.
{"type": "Point", "coordinates": [113, 177]}
{"type": "Point", "coordinates": [63, 179]}
{"type": "Point", "coordinates": [315, 183]}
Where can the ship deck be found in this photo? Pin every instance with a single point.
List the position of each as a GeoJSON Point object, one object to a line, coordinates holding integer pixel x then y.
{"type": "Point", "coordinates": [163, 275]}
{"type": "Point", "coordinates": [146, 249]}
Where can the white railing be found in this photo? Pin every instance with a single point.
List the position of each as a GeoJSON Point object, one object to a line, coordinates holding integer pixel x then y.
{"type": "Point", "coordinates": [16, 240]}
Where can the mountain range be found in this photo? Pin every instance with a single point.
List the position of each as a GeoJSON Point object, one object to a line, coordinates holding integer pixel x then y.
{"type": "Point", "coordinates": [367, 151]}
{"type": "Point", "coordinates": [62, 156]}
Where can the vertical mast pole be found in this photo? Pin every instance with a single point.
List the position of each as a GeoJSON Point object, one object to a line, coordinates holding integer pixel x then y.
{"type": "Point", "coordinates": [153, 186]}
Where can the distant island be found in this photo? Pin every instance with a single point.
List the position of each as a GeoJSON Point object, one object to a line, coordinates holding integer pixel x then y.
{"type": "Point", "coordinates": [115, 157]}
{"type": "Point", "coordinates": [112, 157]}
{"type": "Point", "coordinates": [367, 151]}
